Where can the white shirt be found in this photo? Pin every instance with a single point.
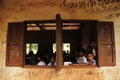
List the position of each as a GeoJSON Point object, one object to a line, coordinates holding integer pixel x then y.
{"type": "Point", "coordinates": [41, 63]}
{"type": "Point", "coordinates": [67, 63]}
{"type": "Point", "coordinates": [50, 64]}
{"type": "Point", "coordinates": [82, 60]}
{"type": "Point", "coordinates": [94, 53]}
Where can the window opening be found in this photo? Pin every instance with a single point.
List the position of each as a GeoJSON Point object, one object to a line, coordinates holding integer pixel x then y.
{"type": "Point", "coordinates": [31, 47]}
{"type": "Point", "coordinates": [40, 53]}
{"type": "Point", "coordinates": [80, 39]}
{"type": "Point", "coordinates": [66, 47]}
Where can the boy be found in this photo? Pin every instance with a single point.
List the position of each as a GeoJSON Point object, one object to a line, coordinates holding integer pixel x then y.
{"type": "Point", "coordinates": [41, 61]}
{"type": "Point", "coordinates": [90, 58]}
{"type": "Point", "coordinates": [52, 61]}
{"type": "Point", "coordinates": [81, 57]}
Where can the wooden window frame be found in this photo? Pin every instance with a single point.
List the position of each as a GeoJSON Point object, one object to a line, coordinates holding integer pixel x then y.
{"type": "Point", "coordinates": [59, 41]}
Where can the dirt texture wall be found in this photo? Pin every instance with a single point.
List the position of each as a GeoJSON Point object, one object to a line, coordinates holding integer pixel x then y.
{"type": "Point", "coordinates": [20, 10]}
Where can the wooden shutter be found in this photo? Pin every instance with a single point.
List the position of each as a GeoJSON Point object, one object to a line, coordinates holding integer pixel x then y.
{"type": "Point", "coordinates": [106, 44]}
{"type": "Point", "coordinates": [58, 42]}
{"type": "Point", "coordinates": [15, 44]}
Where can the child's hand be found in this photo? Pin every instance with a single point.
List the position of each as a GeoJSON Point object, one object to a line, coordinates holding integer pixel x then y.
{"type": "Point", "coordinates": [91, 62]}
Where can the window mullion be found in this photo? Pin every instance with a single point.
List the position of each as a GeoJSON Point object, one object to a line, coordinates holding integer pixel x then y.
{"type": "Point", "coordinates": [58, 42]}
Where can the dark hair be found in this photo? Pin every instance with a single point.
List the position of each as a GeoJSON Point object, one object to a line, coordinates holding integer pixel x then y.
{"type": "Point", "coordinates": [52, 55]}
{"type": "Point", "coordinates": [93, 41]}
{"type": "Point", "coordinates": [90, 52]}
{"type": "Point", "coordinates": [89, 47]}
{"type": "Point", "coordinates": [82, 50]}
{"type": "Point", "coordinates": [42, 57]}
{"type": "Point", "coordinates": [31, 53]}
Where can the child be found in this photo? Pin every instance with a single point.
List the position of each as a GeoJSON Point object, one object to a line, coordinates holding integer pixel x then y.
{"type": "Point", "coordinates": [52, 61]}
{"type": "Point", "coordinates": [90, 58]}
{"type": "Point", "coordinates": [81, 57]}
{"type": "Point", "coordinates": [41, 61]}
{"type": "Point", "coordinates": [89, 49]}
{"type": "Point", "coordinates": [93, 45]}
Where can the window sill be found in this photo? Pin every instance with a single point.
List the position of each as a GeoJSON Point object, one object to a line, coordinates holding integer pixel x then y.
{"type": "Point", "coordinates": [36, 66]}
{"type": "Point", "coordinates": [69, 66]}
{"type": "Point", "coordinates": [80, 66]}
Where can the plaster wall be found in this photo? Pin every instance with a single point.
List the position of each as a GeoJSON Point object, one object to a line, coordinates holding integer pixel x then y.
{"type": "Point", "coordinates": [20, 10]}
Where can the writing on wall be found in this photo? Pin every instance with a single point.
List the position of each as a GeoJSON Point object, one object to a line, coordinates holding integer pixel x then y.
{"type": "Point", "coordinates": [94, 6]}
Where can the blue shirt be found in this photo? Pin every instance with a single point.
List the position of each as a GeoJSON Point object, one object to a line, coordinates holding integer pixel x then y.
{"type": "Point", "coordinates": [92, 63]}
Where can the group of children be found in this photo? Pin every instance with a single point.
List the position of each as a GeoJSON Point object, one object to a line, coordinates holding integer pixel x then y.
{"type": "Point", "coordinates": [85, 58]}
{"type": "Point", "coordinates": [41, 59]}
{"type": "Point", "coordinates": [50, 62]}
{"type": "Point", "coordinates": [81, 56]}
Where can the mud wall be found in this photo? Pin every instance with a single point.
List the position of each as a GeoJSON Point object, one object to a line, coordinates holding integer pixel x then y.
{"type": "Point", "coordinates": [18, 10]}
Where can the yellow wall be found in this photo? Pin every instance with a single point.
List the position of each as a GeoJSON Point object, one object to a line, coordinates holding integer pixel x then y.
{"type": "Point", "coordinates": [20, 10]}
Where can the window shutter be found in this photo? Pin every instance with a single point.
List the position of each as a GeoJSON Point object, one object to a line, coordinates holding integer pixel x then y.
{"type": "Point", "coordinates": [58, 42]}
{"type": "Point", "coordinates": [106, 44]}
{"type": "Point", "coordinates": [15, 44]}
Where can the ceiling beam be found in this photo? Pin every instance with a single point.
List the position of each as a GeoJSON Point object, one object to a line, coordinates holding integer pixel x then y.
{"type": "Point", "coordinates": [40, 27]}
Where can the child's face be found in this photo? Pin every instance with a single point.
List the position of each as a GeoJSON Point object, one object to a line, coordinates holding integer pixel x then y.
{"type": "Point", "coordinates": [52, 59]}
{"type": "Point", "coordinates": [93, 44]}
{"type": "Point", "coordinates": [89, 48]}
{"type": "Point", "coordinates": [90, 57]}
{"type": "Point", "coordinates": [81, 53]}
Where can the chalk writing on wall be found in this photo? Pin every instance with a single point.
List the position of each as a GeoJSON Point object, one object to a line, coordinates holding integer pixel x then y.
{"type": "Point", "coordinates": [94, 6]}
{"type": "Point", "coordinates": [112, 15]}
{"type": "Point", "coordinates": [85, 3]}
{"type": "Point", "coordinates": [102, 9]}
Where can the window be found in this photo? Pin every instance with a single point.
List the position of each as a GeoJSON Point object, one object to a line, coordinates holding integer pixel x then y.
{"type": "Point", "coordinates": [31, 47]}
{"type": "Point", "coordinates": [66, 47]}
{"type": "Point", "coordinates": [67, 34]}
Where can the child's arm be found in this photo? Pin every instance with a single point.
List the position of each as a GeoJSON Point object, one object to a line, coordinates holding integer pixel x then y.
{"type": "Point", "coordinates": [85, 60]}
{"type": "Point", "coordinates": [93, 62]}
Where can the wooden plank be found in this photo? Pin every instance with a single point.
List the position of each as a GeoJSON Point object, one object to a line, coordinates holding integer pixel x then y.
{"type": "Point", "coordinates": [40, 27]}
{"type": "Point", "coordinates": [39, 21]}
{"type": "Point", "coordinates": [63, 21]}
{"type": "Point", "coordinates": [113, 41]}
{"type": "Point", "coordinates": [106, 52]}
{"type": "Point", "coordinates": [59, 42]}
{"type": "Point", "coordinates": [15, 44]}
{"type": "Point", "coordinates": [77, 21]}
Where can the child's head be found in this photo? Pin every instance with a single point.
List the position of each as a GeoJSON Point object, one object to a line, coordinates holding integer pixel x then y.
{"type": "Point", "coordinates": [31, 53]}
{"type": "Point", "coordinates": [89, 48]}
{"type": "Point", "coordinates": [52, 58]}
{"type": "Point", "coordinates": [90, 56]}
{"type": "Point", "coordinates": [41, 57]}
{"type": "Point", "coordinates": [93, 43]}
{"type": "Point", "coordinates": [81, 52]}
